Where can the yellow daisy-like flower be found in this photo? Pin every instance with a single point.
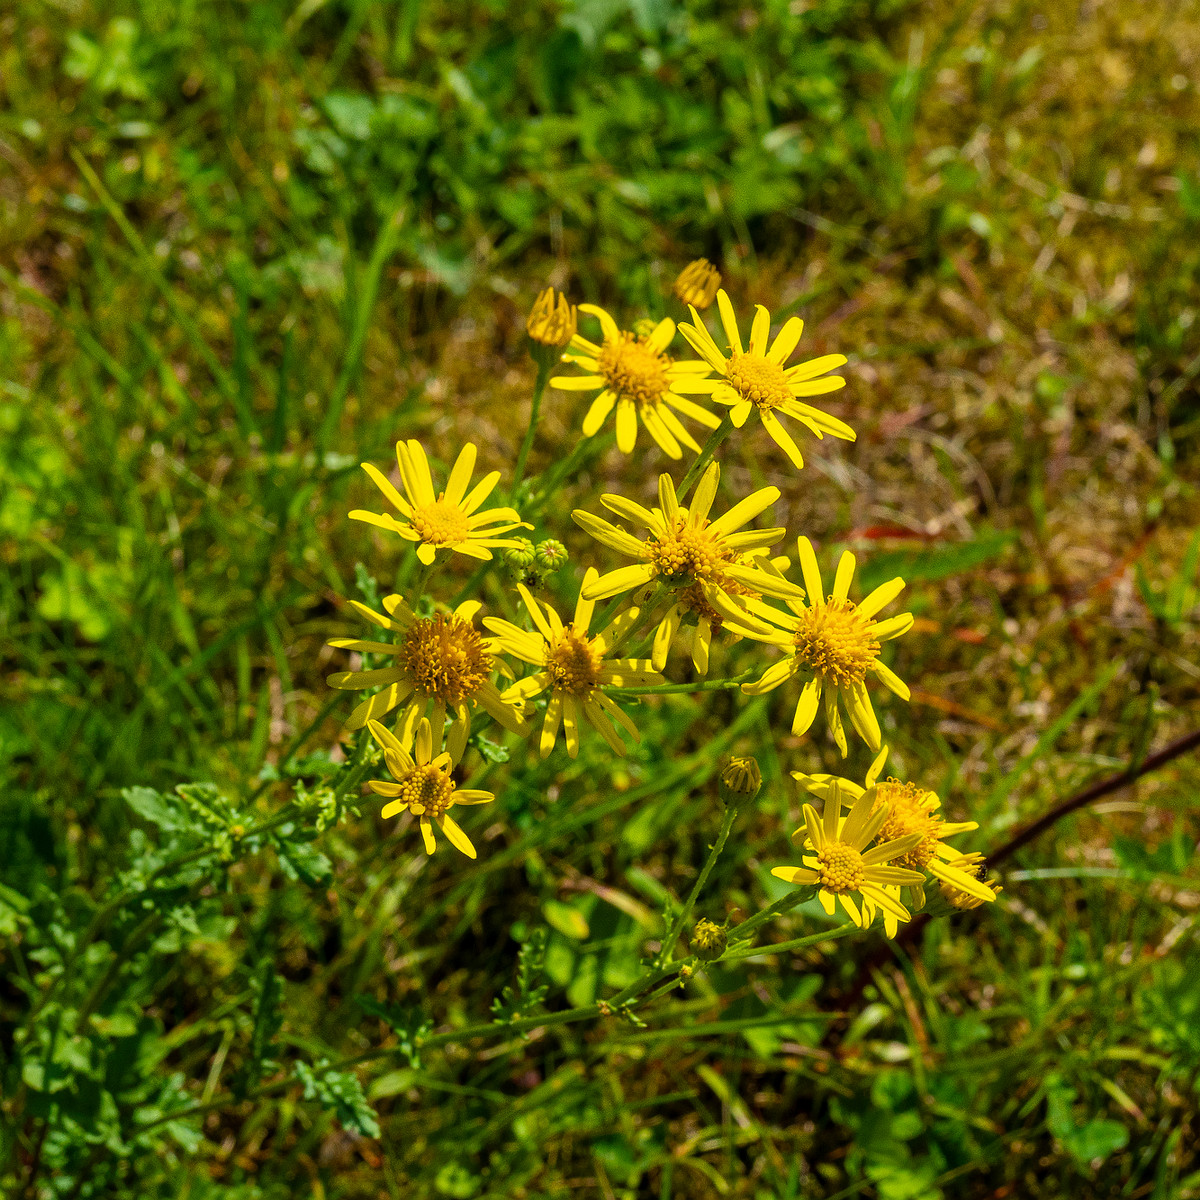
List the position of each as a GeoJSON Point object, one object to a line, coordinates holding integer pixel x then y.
{"type": "Point", "coordinates": [842, 866]}
{"type": "Point", "coordinates": [687, 550]}
{"type": "Point", "coordinates": [973, 865]}
{"type": "Point", "coordinates": [449, 520]}
{"type": "Point", "coordinates": [423, 786]}
{"type": "Point", "coordinates": [758, 379]}
{"type": "Point", "coordinates": [697, 283]}
{"type": "Point", "coordinates": [635, 373]}
{"type": "Point", "coordinates": [442, 662]}
{"type": "Point", "coordinates": [709, 622]}
{"type": "Point", "coordinates": [909, 810]}
{"type": "Point", "coordinates": [834, 643]}
{"type": "Point", "coordinates": [575, 668]}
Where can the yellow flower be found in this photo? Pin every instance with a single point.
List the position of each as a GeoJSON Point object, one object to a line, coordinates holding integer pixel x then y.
{"type": "Point", "coordinates": [552, 321]}
{"type": "Point", "coordinates": [697, 283]}
{"type": "Point", "coordinates": [758, 378]}
{"type": "Point", "coordinates": [423, 786]}
{"type": "Point", "coordinates": [447, 521]}
{"type": "Point", "coordinates": [708, 620]}
{"type": "Point", "coordinates": [441, 661]}
{"type": "Point", "coordinates": [687, 550]}
{"type": "Point", "coordinates": [910, 811]}
{"type": "Point", "coordinates": [740, 781]}
{"type": "Point", "coordinates": [574, 668]}
{"type": "Point", "coordinates": [637, 376]}
{"type": "Point", "coordinates": [834, 643]}
{"type": "Point", "coordinates": [842, 866]}
{"type": "Point", "coordinates": [972, 865]}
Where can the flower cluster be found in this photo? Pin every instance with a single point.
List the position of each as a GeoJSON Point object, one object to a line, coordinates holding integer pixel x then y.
{"type": "Point", "coordinates": [689, 561]}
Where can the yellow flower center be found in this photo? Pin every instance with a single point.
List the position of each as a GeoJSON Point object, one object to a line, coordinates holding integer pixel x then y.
{"type": "Point", "coordinates": [445, 658]}
{"type": "Point", "coordinates": [836, 642]}
{"type": "Point", "coordinates": [758, 379]}
{"type": "Point", "coordinates": [841, 868]}
{"type": "Point", "coordinates": [441, 523]}
{"type": "Point", "coordinates": [633, 369]}
{"type": "Point", "coordinates": [692, 598]}
{"type": "Point", "coordinates": [573, 665]}
{"type": "Point", "coordinates": [428, 791]}
{"type": "Point", "coordinates": [912, 810]}
{"type": "Point", "coordinates": [687, 555]}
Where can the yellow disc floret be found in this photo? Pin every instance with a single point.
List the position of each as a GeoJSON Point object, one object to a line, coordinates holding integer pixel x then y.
{"type": "Point", "coordinates": [445, 658]}
{"type": "Point", "coordinates": [427, 790]}
{"type": "Point", "coordinates": [687, 554]}
{"type": "Point", "coordinates": [631, 367]}
{"type": "Point", "coordinates": [911, 810]}
{"type": "Point", "coordinates": [840, 867]}
{"type": "Point", "coordinates": [441, 523]}
{"type": "Point", "coordinates": [759, 380]}
{"type": "Point", "coordinates": [836, 642]}
{"type": "Point", "coordinates": [573, 664]}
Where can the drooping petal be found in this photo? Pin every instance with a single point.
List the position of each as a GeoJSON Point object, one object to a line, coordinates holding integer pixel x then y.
{"type": "Point", "coordinates": [427, 834]}
{"type": "Point", "coordinates": [806, 707]}
{"type": "Point", "coordinates": [598, 413]}
{"type": "Point", "coordinates": [782, 439]}
{"type": "Point", "coordinates": [458, 839]}
{"type": "Point", "coordinates": [550, 726]}
{"type": "Point", "coordinates": [891, 680]}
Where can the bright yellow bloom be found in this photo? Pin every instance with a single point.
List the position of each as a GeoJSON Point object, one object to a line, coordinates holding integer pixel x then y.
{"type": "Point", "coordinates": [833, 644]}
{"type": "Point", "coordinates": [574, 668]}
{"type": "Point", "coordinates": [697, 283]}
{"type": "Point", "coordinates": [686, 550]}
{"type": "Point", "coordinates": [447, 521]}
{"type": "Point", "coordinates": [910, 811]}
{"type": "Point", "coordinates": [973, 865]}
{"type": "Point", "coordinates": [709, 622]}
{"type": "Point", "coordinates": [842, 866]}
{"type": "Point", "coordinates": [552, 322]}
{"type": "Point", "coordinates": [636, 375]}
{"type": "Point", "coordinates": [442, 662]}
{"type": "Point", "coordinates": [423, 786]}
{"type": "Point", "coordinates": [758, 378]}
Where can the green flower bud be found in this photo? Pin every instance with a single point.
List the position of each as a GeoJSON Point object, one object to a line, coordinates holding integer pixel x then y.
{"type": "Point", "coordinates": [520, 558]}
{"type": "Point", "coordinates": [550, 555]}
{"type": "Point", "coordinates": [708, 941]}
{"type": "Point", "coordinates": [740, 781]}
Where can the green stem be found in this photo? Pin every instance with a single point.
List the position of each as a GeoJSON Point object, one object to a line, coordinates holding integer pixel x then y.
{"type": "Point", "coordinates": [539, 387]}
{"type": "Point", "coordinates": [681, 918]}
{"type": "Point", "coordinates": [707, 685]}
{"type": "Point", "coordinates": [709, 448]}
{"type": "Point", "coordinates": [741, 933]}
{"type": "Point", "coordinates": [795, 944]}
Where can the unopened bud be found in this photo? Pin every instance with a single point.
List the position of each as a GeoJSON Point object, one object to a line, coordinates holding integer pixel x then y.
{"type": "Point", "coordinates": [645, 326]}
{"type": "Point", "coordinates": [552, 321]}
{"type": "Point", "coordinates": [550, 555]}
{"type": "Point", "coordinates": [740, 781]}
{"type": "Point", "coordinates": [708, 941]}
{"type": "Point", "coordinates": [520, 558]}
{"type": "Point", "coordinates": [697, 283]}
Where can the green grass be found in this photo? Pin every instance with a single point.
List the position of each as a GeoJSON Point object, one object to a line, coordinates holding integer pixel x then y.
{"type": "Point", "coordinates": [245, 248]}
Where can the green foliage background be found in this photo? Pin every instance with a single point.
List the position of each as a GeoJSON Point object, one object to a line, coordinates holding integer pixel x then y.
{"type": "Point", "coordinates": [246, 246]}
